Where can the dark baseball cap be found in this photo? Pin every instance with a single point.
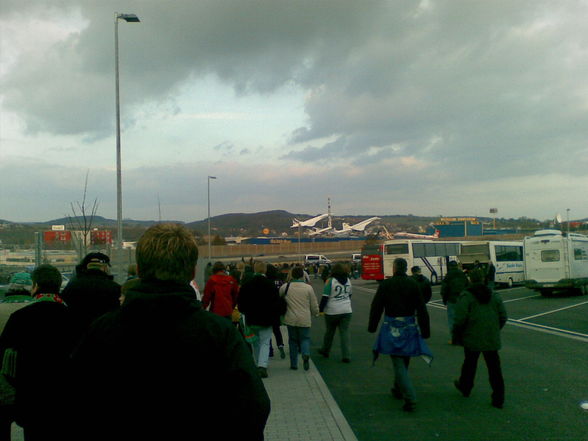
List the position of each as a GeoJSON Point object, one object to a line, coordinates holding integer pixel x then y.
{"type": "Point", "coordinates": [100, 258]}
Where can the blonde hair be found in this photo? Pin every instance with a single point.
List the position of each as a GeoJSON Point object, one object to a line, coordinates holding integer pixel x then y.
{"type": "Point", "coordinates": [167, 252]}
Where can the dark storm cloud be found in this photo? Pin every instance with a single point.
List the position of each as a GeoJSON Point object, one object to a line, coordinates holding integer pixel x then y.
{"type": "Point", "coordinates": [255, 47]}
{"type": "Point", "coordinates": [497, 83]}
{"type": "Point", "coordinates": [456, 95]}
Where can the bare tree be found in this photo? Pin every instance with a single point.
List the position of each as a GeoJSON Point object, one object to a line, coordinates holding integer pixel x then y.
{"type": "Point", "coordinates": [82, 219]}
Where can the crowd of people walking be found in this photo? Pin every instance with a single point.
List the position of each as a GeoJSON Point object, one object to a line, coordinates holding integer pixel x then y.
{"type": "Point", "coordinates": [155, 352]}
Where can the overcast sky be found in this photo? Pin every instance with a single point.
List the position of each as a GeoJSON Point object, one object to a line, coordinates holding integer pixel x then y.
{"type": "Point", "coordinates": [387, 107]}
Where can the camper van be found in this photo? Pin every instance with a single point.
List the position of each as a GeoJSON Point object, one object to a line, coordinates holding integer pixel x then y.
{"type": "Point", "coordinates": [556, 260]}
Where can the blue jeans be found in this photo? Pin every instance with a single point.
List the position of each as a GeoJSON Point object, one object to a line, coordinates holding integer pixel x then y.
{"type": "Point", "coordinates": [298, 341]}
{"type": "Point", "coordinates": [402, 380]}
{"type": "Point", "coordinates": [262, 345]}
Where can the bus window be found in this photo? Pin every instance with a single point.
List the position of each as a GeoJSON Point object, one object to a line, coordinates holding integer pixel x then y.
{"type": "Point", "coordinates": [580, 254]}
{"type": "Point", "coordinates": [439, 249]}
{"type": "Point", "coordinates": [509, 253]}
{"type": "Point", "coordinates": [397, 248]}
{"type": "Point", "coordinates": [550, 256]}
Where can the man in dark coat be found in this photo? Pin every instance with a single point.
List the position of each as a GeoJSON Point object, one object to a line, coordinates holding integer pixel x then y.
{"type": "Point", "coordinates": [34, 352]}
{"type": "Point", "coordinates": [453, 284]}
{"type": "Point", "coordinates": [423, 283]}
{"type": "Point", "coordinates": [479, 317]}
{"type": "Point", "coordinates": [400, 299]}
{"type": "Point", "coordinates": [490, 275]}
{"type": "Point", "coordinates": [92, 291]}
{"type": "Point", "coordinates": [161, 367]}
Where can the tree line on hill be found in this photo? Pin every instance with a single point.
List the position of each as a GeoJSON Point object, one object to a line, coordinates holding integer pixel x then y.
{"type": "Point", "coordinates": [277, 222]}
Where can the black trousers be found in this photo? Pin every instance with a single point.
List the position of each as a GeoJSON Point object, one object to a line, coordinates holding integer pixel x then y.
{"type": "Point", "coordinates": [468, 373]}
{"type": "Point", "coordinates": [279, 338]}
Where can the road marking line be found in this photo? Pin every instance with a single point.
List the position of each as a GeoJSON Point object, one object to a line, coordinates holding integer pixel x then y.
{"type": "Point", "coordinates": [520, 298]}
{"type": "Point", "coordinates": [555, 310]}
{"type": "Point", "coordinates": [550, 330]}
{"type": "Point", "coordinates": [536, 327]}
{"type": "Point", "coordinates": [521, 324]}
{"type": "Point", "coordinates": [437, 305]}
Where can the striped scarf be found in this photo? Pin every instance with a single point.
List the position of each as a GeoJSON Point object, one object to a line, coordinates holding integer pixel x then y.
{"type": "Point", "coordinates": [48, 298]}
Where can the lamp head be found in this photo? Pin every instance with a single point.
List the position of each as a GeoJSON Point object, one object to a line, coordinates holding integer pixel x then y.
{"type": "Point", "coordinates": [129, 18]}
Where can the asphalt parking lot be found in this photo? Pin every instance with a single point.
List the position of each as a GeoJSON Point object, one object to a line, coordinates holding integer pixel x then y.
{"type": "Point", "coordinates": [544, 360]}
{"type": "Point", "coordinates": [562, 313]}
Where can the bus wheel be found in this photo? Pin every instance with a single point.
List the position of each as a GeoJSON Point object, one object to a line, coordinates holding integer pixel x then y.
{"type": "Point", "coordinates": [434, 279]}
{"type": "Point", "coordinates": [509, 283]}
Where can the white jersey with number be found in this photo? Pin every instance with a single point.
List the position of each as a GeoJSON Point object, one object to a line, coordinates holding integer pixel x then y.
{"type": "Point", "coordinates": [339, 298]}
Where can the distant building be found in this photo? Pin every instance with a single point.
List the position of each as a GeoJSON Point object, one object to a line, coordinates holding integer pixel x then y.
{"type": "Point", "coordinates": [458, 227]}
{"type": "Point", "coordinates": [56, 236]}
{"type": "Point", "coordinates": [100, 237]}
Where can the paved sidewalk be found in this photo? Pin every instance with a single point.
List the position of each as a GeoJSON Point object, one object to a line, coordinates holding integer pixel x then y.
{"type": "Point", "coordinates": [302, 406]}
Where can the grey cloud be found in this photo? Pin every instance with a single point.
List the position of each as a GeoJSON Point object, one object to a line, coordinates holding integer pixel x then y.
{"type": "Point", "coordinates": [500, 86]}
{"type": "Point", "coordinates": [256, 47]}
{"type": "Point", "coordinates": [477, 76]}
{"type": "Point", "coordinates": [225, 147]}
{"type": "Point", "coordinates": [392, 186]}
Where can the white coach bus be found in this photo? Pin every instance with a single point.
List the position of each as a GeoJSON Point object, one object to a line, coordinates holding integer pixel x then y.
{"type": "Point", "coordinates": [431, 256]}
{"type": "Point", "coordinates": [556, 261]}
{"type": "Point", "coordinates": [506, 256]}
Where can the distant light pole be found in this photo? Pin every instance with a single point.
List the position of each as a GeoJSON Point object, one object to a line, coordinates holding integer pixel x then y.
{"type": "Point", "coordinates": [209, 248]}
{"type": "Point", "coordinates": [568, 212]}
{"type": "Point", "coordinates": [129, 18]}
{"type": "Point", "coordinates": [494, 211]}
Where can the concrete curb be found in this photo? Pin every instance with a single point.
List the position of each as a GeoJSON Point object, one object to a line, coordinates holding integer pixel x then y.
{"type": "Point", "coordinates": [338, 416]}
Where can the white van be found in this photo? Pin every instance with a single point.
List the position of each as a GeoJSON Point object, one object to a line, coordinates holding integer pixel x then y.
{"type": "Point", "coordinates": [312, 259]}
{"type": "Point", "coordinates": [556, 261]}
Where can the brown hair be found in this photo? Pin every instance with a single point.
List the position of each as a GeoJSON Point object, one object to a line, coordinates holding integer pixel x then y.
{"type": "Point", "coordinates": [47, 278]}
{"type": "Point", "coordinates": [167, 252]}
{"type": "Point", "coordinates": [297, 272]}
{"type": "Point", "coordinates": [218, 266]}
{"type": "Point", "coordinates": [260, 267]}
{"type": "Point", "coordinates": [476, 276]}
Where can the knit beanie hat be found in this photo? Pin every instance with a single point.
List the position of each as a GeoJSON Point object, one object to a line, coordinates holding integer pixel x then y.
{"type": "Point", "coordinates": [20, 281]}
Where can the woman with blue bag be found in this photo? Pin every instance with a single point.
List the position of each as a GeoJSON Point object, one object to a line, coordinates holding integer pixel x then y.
{"type": "Point", "coordinates": [405, 326]}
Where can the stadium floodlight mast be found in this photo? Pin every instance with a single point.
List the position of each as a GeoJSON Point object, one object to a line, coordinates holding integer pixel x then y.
{"type": "Point", "coordinates": [129, 18]}
{"type": "Point", "coordinates": [209, 247]}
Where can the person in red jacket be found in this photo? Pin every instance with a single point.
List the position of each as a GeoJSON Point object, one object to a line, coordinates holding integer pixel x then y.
{"type": "Point", "coordinates": [220, 292]}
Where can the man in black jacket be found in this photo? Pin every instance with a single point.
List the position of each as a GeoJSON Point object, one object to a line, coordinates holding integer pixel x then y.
{"type": "Point", "coordinates": [92, 291]}
{"type": "Point", "coordinates": [423, 282]}
{"type": "Point", "coordinates": [400, 299]}
{"type": "Point", "coordinates": [161, 367]}
{"type": "Point", "coordinates": [34, 352]}
{"type": "Point", "coordinates": [453, 284]}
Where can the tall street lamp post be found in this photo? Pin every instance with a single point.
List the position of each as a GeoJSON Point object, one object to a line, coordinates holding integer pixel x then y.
{"type": "Point", "coordinates": [129, 18]}
{"type": "Point", "coordinates": [209, 247]}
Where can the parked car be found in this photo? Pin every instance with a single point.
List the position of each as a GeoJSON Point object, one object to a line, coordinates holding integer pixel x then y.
{"type": "Point", "coordinates": [312, 259]}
